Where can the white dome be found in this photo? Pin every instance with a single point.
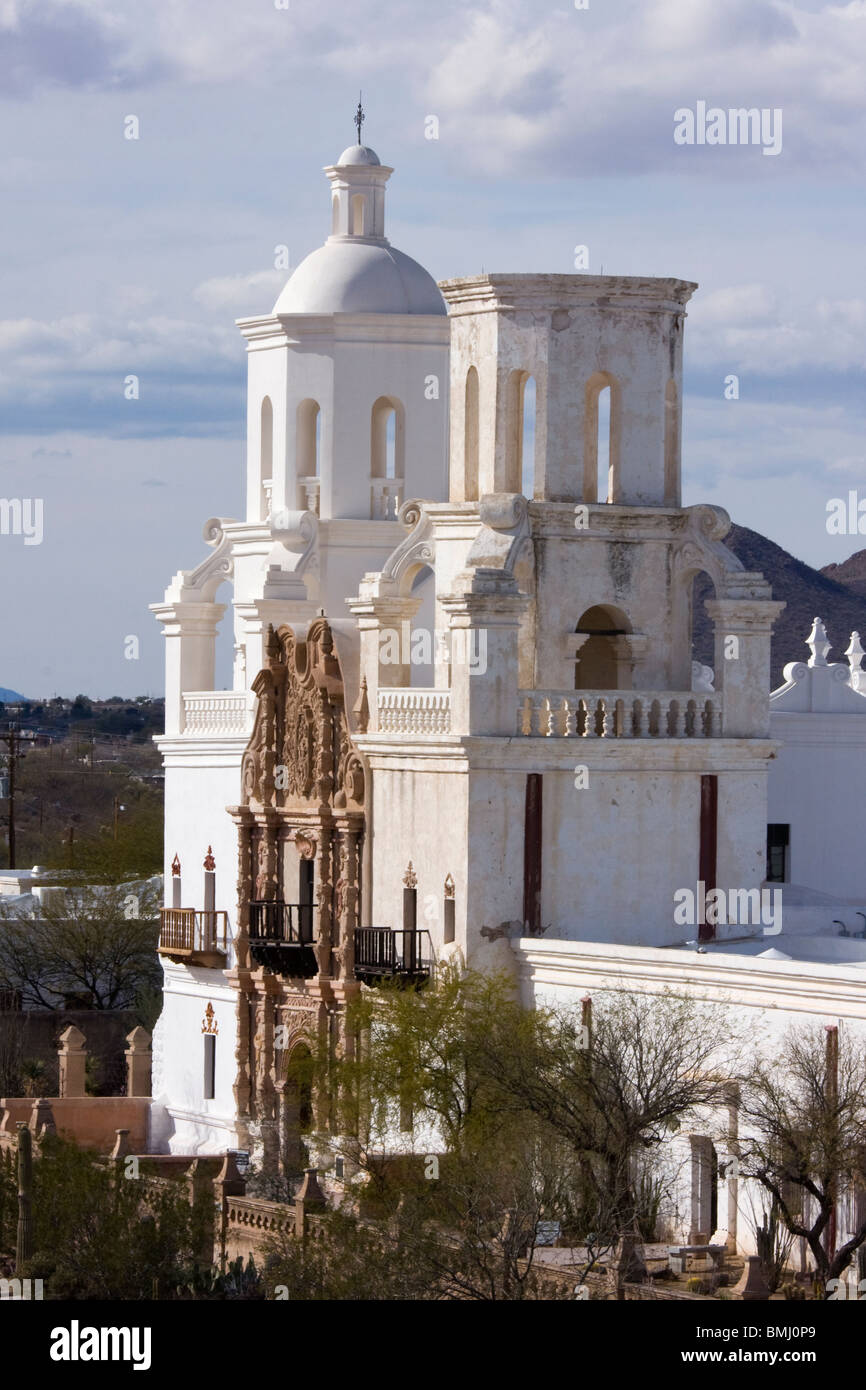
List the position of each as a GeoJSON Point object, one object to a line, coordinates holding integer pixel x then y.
{"type": "Point", "coordinates": [356, 277]}
{"type": "Point", "coordinates": [358, 154]}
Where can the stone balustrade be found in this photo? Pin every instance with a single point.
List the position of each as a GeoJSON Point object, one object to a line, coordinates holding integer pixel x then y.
{"type": "Point", "coordinates": [404, 710]}
{"type": "Point", "coordinates": [310, 487]}
{"type": "Point", "coordinates": [216, 713]}
{"type": "Point", "coordinates": [619, 714]}
{"type": "Point", "coordinates": [386, 498]}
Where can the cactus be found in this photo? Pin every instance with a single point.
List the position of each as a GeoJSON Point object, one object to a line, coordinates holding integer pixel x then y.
{"type": "Point", "coordinates": [24, 1242]}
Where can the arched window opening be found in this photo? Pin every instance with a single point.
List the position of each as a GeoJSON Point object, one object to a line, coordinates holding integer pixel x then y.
{"type": "Point", "coordinates": [672, 446]}
{"type": "Point", "coordinates": [386, 459]}
{"type": "Point", "coordinates": [601, 430]}
{"type": "Point", "coordinates": [226, 652]}
{"type": "Point", "coordinates": [470, 438]}
{"type": "Point", "coordinates": [358, 212]}
{"type": "Point", "coordinates": [602, 447]}
{"type": "Point", "coordinates": [527, 442]}
{"type": "Point", "coordinates": [602, 658]}
{"type": "Point", "coordinates": [422, 646]}
{"type": "Point", "coordinates": [308, 455]}
{"type": "Point", "coordinates": [520, 436]}
{"type": "Point", "coordinates": [266, 454]}
{"type": "Point", "coordinates": [391, 445]}
{"type": "Point", "coordinates": [335, 214]}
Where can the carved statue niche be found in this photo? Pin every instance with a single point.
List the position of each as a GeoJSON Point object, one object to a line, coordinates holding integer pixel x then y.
{"type": "Point", "coordinates": [350, 781]}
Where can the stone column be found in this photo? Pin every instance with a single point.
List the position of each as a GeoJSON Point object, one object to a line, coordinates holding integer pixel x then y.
{"type": "Point", "coordinates": [190, 641]}
{"type": "Point", "coordinates": [325, 900]}
{"type": "Point", "coordinates": [484, 631]}
{"type": "Point", "coordinates": [139, 1059]}
{"type": "Point", "coordinates": [42, 1119]}
{"type": "Point", "coordinates": [228, 1183]}
{"type": "Point", "coordinates": [310, 1198]}
{"type": "Point", "coordinates": [199, 1185]}
{"type": "Point", "coordinates": [385, 627]}
{"type": "Point", "coordinates": [743, 628]}
{"type": "Point", "coordinates": [72, 1059]}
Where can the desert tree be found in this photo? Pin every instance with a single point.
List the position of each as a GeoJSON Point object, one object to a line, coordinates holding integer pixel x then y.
{"type": "Point", "coordinates": [96, 944]}
{"type": "Point", "coordinates": [803, 1113]}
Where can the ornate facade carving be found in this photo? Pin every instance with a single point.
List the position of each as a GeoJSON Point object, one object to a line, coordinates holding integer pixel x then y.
{"type": "Point", "coordinates": [303, 802]}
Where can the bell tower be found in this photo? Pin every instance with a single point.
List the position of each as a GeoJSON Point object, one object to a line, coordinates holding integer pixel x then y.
{"type": "Point", "coordinates": [348, 386]}
{"type": "Point", "coordinates": [576, 336]}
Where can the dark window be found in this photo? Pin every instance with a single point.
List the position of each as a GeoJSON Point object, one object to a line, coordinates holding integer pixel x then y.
{"type": "Point", "coordinates": [708, 844]}
{"type": "Point", "coordinates": [778, 838]}
{"type": "Point", "coordinates": [209, 1065]}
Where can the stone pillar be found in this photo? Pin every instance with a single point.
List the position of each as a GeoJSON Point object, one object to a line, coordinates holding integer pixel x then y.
{"type": "Point", "coordinates": [190, 641]}
{"type": "Point", "coordinates": [410, 918]}
{"type": "Point", "coordinates": [208, 917]}
{"type": "Point", "coordinates": [72, 1059]}
{"type": "Point", "coordinates": [310, 1198]}
{"type": "Point", "coordinates": [199, 1185]}
{"type": "Point", "coordinates": [176, 891]}
{"type": "Point", "coordinates": [228, 1183]}
{"type": "Point", "coordinates": [42, 1119]}
{"type": "Point", "coordinates": [448, 911]}
{"type": "Point", "coordinates": [139, 1058]}
{"type": "Point", "coordinates": [484, 632]}
{"type": "Point", "coordinates": [743, 629]}
{"type": "Point", "coordinates": [385, 627]}
{"type": "Point", "coordinates": [325, 902]}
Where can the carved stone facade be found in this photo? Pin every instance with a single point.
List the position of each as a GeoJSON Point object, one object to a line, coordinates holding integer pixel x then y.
{"type": "Point", "coordinates": [301, 826]}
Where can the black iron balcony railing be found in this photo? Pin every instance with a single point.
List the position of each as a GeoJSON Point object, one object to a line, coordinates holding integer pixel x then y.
{"type": "Point", "coordinates": [282, 936]}
{"type": "Point", "coordinates": [194, 936]}
{"type": "Point", "coordinates": [384, 954]}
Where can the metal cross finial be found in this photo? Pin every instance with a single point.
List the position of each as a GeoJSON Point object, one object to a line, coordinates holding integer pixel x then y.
{"type": "Point", "coordinates": [359, 117]}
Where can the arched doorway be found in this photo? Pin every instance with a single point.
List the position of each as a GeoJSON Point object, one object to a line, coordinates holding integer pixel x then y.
{"type": "Point", "coordinates": [296, 1110]}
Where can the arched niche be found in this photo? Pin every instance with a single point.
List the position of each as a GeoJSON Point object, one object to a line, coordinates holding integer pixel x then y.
{"type": "Point", "coordinates": [297, 1116]}
{"type": "Point", "coordinates": [308, 451]}
{"type": "Point", "coordinates": [387, 457]}
{"type": "Point", "coordinates": [602, 658]}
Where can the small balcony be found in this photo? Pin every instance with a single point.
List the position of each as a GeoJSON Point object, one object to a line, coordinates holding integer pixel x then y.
{"type": "Point", "coordinates": [384, 954]}
{"type": "Point", "coordinates": [194, 937]}
{"type": "Point", "coordinates": [281, 938]}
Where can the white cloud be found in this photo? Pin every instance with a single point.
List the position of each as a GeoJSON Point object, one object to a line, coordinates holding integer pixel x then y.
{"type": "Point", "coordinates": [242, 294]}
{"type": "Point", "coordinates": [96, 343]}
{"type": "Point", "coordinates": [517, 86]}
{"type": "Point", "coordinates": [744, 328]}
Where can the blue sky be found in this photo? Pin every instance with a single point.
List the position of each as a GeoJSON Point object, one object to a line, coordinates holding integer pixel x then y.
{"type": "Point", "coordinates": [555, 130]}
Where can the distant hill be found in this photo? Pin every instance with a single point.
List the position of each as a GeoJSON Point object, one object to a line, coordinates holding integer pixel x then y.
{"type": "Point", "coordinates": [837, 594]}
{"type": "Point", "coordinates": [10, 697]}
{"type": "Point", "coordinates": [851, 573]}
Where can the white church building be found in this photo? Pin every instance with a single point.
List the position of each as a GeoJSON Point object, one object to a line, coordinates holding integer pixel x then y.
{"type": "Point", "coordinates": [465, 716]}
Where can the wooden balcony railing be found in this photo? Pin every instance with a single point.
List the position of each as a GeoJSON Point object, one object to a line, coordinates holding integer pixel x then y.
{"type": "Point", "coordinates": [384, 954]}
{"type": "Point", "coordinates": [194, 936]}
{"type": "Point", "coordinates": [282, 937]}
